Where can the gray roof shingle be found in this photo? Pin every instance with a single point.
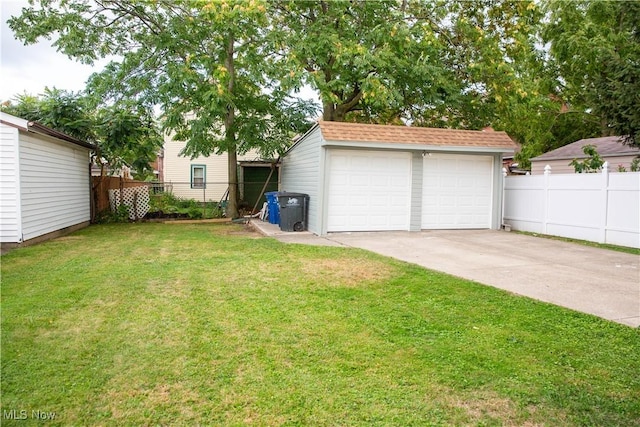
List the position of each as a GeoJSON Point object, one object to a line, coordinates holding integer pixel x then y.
{"type": "Point", "coordinates": [607, 146]}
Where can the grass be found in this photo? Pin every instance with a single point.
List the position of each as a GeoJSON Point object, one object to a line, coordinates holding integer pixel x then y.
{"type": "Point", "coordinates": [625, 249]}
{"type": "Point", "coordinates": [207, 324]}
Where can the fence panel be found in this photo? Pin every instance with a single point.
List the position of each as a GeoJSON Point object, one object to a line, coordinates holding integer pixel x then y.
{"type": "Point", "coordinates": [251, 193]}
{"type": "Point", "coordinates": [602, 207]}
{"type": "Point", "coordinates": [623, 209]}
{"type": "Point", "coordinates": [524, 203]}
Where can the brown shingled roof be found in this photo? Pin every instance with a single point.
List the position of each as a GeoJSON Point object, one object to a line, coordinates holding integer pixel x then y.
{"type": "Point", "coordinates": [359, 132]}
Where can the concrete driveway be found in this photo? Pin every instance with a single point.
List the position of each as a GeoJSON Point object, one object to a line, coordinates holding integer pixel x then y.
{"type": "Point", "coordinates": [591, 280]}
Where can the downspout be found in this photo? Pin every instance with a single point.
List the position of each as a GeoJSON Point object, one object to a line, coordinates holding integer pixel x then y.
{"type": "Point", "coordinates": [92, 201]}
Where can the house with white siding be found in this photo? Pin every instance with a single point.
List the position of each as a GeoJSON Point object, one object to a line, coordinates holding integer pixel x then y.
{"type": "Point", "coordinates": [45, 182]}
{"type": "Point", "coordinates": [205, 178]}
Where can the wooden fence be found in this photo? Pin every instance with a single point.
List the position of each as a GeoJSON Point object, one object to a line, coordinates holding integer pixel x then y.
{"type": "Point", "coordinates": [100, 186]}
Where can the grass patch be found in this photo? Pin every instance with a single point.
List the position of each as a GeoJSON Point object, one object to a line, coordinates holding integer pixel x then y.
{"type": "Point", "coordinates": [625, 249]}
{"type": "Point", "coordinates": [205, 324]}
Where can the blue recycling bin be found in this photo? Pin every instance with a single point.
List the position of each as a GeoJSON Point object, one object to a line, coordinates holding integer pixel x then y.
{"type": "Point", "coordinates": [273, 207]}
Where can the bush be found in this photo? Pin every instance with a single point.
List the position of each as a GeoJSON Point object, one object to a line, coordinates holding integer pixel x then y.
{"type": "Point", "coordinates": [167, 203]}
{"type": "Point", "coordinates": [108, 217]}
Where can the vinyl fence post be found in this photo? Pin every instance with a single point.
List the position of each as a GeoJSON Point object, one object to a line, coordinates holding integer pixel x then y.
{"type": "Point", "coordinates": [545, 210]}
{"type": "Point", "coordinates": [605, 202]}
{"type": "Point", "coordinates": [504, 196]}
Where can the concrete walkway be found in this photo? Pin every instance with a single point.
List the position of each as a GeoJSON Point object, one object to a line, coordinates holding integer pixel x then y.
{"type": "Point", "coordinates": [591, 280]}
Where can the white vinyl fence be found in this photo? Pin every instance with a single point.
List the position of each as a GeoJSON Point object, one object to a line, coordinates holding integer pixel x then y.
{"type": "Point", "coordinates": [599, 207]}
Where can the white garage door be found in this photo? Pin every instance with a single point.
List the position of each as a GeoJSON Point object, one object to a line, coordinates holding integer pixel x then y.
{"type": "Point", "coordinates": [457, 191]}
{"type": "Point", "coordinates": [368, 191]}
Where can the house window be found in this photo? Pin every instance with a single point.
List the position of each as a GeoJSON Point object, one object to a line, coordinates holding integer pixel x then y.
{"type": "Point", "coordinates": [198, 174]}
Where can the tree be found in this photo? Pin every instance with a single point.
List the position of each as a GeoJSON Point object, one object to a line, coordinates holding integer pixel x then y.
{"type": "Point", "coordinates": [427, 62]}
{"type": "Point", "coordinates": [363, 57]}
{"type": "Point", "coordinates": [593, 162]}
{"type": "Point", "coordinates": [595, 48]}
{"type": "Point", "coordinates": [123, 134]}
{"type": "Point", "coordinates": [67, 112]}
{"type": "Point", "coordinates": [209, 65]}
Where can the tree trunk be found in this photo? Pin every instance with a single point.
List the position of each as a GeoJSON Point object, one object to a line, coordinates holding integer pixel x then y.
{"type": "Point", "coordinates": [230, 135]}
{"type": "Point", "coordinates": [328, 110]}
{"type": "Point", "coordinates": [333, 113]}
{"type": "Point", "coordinates": [337, 113]}
{"type": "Point", "coordinates": [232, 206]}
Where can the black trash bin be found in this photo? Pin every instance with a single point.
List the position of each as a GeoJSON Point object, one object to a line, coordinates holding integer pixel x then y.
{"type": "Point", "coordinates": [293, 211]}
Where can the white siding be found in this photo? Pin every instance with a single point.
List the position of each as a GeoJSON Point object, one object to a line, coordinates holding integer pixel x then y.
{"type": "Point", "coordinates": [300, 173]}
{"type": "Point", "coordinates": [177, 172]}
{"type": "Point", "coordinates": [10, 223]}
{"type": "Point", "coordinates": [417, 166]}
{"type": "Point", "coordinates": [54, 185]}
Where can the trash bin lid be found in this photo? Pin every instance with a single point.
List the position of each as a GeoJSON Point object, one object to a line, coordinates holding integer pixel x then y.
{"type": "Point", "coordinates": [290, 194]}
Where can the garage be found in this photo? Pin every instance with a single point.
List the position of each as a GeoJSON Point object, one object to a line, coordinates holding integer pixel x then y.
{"type": "Point", "coordinates": [368, 190]}
{"type": "Point", "coordinates": [457, 191]}
{"type": "Point", "coordinates": [365, 177]}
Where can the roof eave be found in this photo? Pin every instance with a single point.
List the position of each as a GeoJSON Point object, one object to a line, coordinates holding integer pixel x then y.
{"type": "Point", "coordinates": [604, 156]}
{"type": "Point", "coordinates": [417, 147]}
{"type": "Point", "coordinates": [43, 130]}
{"type": "Point", "coordinates": [300, 139]}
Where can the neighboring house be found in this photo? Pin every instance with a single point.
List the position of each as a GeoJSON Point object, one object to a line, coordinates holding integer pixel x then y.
{"type": "Point", "coordinates": [610, 148]}
{"type": "Point", "coordinates": [509, 163]}
{"type": "Point", "coordinates": [158, 167]}
{"type": "Point", "coordinates": [206, 178]}
{"type": "Point", "coordinates": [123, 172]}
{"type": "Point", "coordinates": [44, 181]}
{"type": "Point", "coordinates": [363, 177]}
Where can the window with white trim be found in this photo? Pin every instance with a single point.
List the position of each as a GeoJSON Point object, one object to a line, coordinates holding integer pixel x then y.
{"type": "Point", "coordinates": [198, 176]}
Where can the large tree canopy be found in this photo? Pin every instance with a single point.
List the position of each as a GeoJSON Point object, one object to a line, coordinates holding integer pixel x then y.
{"type": "Point", "coordinates": [595, 49]}
{"type": "Point", "coordinates": [367, 58]}
{"type": "Point", "coordinates": [222, 71]}
{"type": "Point", "coordinates": [209, 65]}
{"type": "Point", "coordinates": [126, 135]}
{"type": "Point", "coordinates": [427, 62]}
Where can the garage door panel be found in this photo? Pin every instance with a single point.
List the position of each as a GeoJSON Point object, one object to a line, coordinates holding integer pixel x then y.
{"type": "Point", "coordinates": [466, 183]}
{"type": "Point", "coordinates": [376, 194]}
{"type": "Point", "coordinates": [359, 180]}
{"type": "Point", "coordinates": [466, 202]}
{"type": "Point", "coordinates": [360, 202]}
{"type": "Point", "coordinates": [381, 202]}
{"type": "Point", "coordinates": [399, 182]}
{"type": "Point", "coordinates": [340, 178]}
{"type": "Point", "coordinates": [382, 181]}
{"type": "Point", "coordinates": [457, 191]}
{"type": "Point", "coordinates": [399, 201]}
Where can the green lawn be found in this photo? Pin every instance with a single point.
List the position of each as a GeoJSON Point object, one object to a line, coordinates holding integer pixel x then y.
{"type": "Point", "coordinates": [625, 249]}
{"type": "Point", "coordinates": [207, 324]}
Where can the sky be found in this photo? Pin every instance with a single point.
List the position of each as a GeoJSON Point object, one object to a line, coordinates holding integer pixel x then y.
{"type": "Point", "coordinates": [32, 68]}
